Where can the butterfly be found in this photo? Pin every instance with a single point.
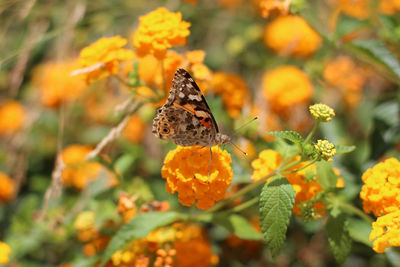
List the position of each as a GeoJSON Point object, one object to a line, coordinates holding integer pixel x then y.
{"type": "Point", "coordinates": [186, 118]}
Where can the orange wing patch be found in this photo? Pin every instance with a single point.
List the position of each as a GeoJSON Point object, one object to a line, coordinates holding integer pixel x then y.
{"type": "Point", "coordinates": [203, 116]}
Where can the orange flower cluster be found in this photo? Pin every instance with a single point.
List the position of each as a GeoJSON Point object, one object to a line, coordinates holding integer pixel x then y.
{"type": "Point", "coordinates": [306, 189]}
{"type": "Point", "coordinates": [158, 31]}
{"type": "Point", "coordinates": [88, 233]}
{"type": "Point", "coordinates": [12, 116]}
{"type": "Point", "coordinates": [56, 83]}
{"type": "Point", "coordinates": [134, 129]}
{"type": "Point", "coordinates": [127, 207]}
{"type": "Point", "coordinates": [169, 246]}
{"type": "Point", "coordinates": [381, 195]}
{"type": "Point", "coordinates": [282, 92]}
{"type": "Point", "coordinates": [102, 58]}
{"type": "Point", "coordinates": [5, 250]}
{"type": "Point", "coordinates": [230, 4]}
{"type": "Point", "coordinates": [7, 188]}
{"type": "Point", "coordinates": [361, 9]}
{"type": "Point", "coordinates": [291, 36]}
{"type": "Point", "coordinates": [266, 7]}
{"type": "Point", "coordinates": [78, 172]}
{"type": "Point", "coordinates": [343, 73]}
{"type": "Point", "coordinates": [234, 91]}
{"type": "Point", "coordinates": [193, 2]}
{"type": "Point", "coordinates": [188, 171]}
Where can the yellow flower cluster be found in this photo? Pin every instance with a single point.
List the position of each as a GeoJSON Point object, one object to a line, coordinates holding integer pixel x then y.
{"type": "Point", "coordinates": [344, 74]}
{"type": "Point", "coordinates": [12, 116]}
{"type": "Point", "coordinates": [380, 194]}
{"type": "Point", "coordinates": [285, 87]}
{"type": "Point", "coordinates": [322, 112]}
{"type": "Point", "coordinates": [325, 148]}
{"type": "Point", "coordinates": [7, 188]}
{"type": "Point", "coordinates": [386, 231]}
{"type": "Point", "coordinates": [291, 36]}
{"type": "Point", "coordinates": [102, 58]}
{"type": "Point", "coordinates": [5, 250]}
{"type": "Point", "coordinates": [78, 172]}
{"type": "Point", "coordinates": [234, 91]}
{"type": "Point", "coordinates": [188, 171]}
{"type": "Point", "coordinates": [56, 84]}
{"type": "Point", "coordinates": [306, 189]}
{"type": "Point", "coordinates": [158, 31]}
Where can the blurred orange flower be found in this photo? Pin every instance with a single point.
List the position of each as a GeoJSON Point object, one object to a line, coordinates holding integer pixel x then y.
{"type": "Point", "coordinates": [381, 190]}
{"type": "Point", "coordinates": [102, 57]}
{"type": "Point", "coordinates": [342, 72]}
{"type": "Point", "coordinates": [361, 9]}
{"type": "Point", "coordinates": [134, 129]}
{"type": "Point", "coordinates": [7, 188]}
{"type": "Point", "coordinates": [56, 83]}
{"type": "Point", "coordinates": [266, 7]}
{"type": "Point", "coordinates": [188, 172]}
{"type": "Point", "coordinates": [230, 4]}
{"type": "Point", "coordinates": [12, 116]}
{"type": "Point", "coordinates": [389, 7]}
{"type": "Point", "coordinates": [193, 2]}
{"type": "Point", "coordinates": [5, 250]}
{"type": "Point", "coordinates": [285, 87]}
{"type": "Point", "coordinates": [78, 172]}
{"type": "Point", "coordinates": [234, 91]}
{"type": "Point", "coordinates": [291, 36]}
{"type": "Point", "coordinates": [158, 31]}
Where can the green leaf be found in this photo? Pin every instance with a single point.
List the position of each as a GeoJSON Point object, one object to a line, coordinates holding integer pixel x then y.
{"type": "Point", "coordinates": [341, 149]}
{"type": "Point", "coordinates": [359, 231]}
{"type": "Point", "coordinates": [388, 112]}
{"type": "Point", "coordinates": [276, 204]}
{"type": "Point", "coordinates": [338, 237]}
{"type": "Point", "coordinates": [239, 226]}
{"type": "Point", "coordinates": [377, 50]}
{"type": "Point", "coordinates": [137, 228]}
{"type": "Point", "coordinates": [289, 135]}
{"type": "Point", "coordinates": [327, 178]}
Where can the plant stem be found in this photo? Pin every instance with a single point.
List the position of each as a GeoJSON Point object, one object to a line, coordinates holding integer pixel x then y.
{"type": "Point", "coordinates": [354, 210]}
{"type": "Point", "coordinates": [312, 132]}
{"type": "Point", "coordinates": [299, 169]}
{"type": "Point", "coordinates": [244, 205]}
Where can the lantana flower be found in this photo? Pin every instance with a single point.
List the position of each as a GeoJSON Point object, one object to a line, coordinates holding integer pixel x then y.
{"type": "Point", "coordinates": [234, 91]}
{"type": "Point", "coordinates": [291, 35]}
{"type": "Point", "coordinates": [158, 31]}
{"type": "Point", "coordinates": [266, 7]}
{"type": "Point", "coordinates": [5, 250]}
{"type": "Point", "coordinates": [7, 188]}
{"type": "Point", "coordinates": [189, 172]}
{"type": "Point", "coordinates": [386, 231]}
{"type": "Point", "coordinates": [102, 58]}
{"type": "Point", "coordinates": [12, 115]}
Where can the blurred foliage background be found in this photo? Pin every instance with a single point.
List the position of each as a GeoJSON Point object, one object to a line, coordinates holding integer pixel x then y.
{"type": "Point", "coordinates": [344, 53]}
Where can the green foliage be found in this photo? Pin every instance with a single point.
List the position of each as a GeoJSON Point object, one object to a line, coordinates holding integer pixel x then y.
{"type": "Point", "coordinates": [137, 228]}
{"type": "Point", "coordinates": [289, 135]}
{"type": "Point", "coordinates": [327, 178]}
{"type": "Point", "coordinates": [341, 149]}
{"type": "Point", "coordinates": [338, 237]}
{"type": "Point", "coordinates": [276, 204]}
{"type": "Point", "coordinates": [239, 226]}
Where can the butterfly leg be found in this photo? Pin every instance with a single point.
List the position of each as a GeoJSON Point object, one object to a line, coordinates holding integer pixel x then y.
{"type": "Point", "coordinates": [197, 149]}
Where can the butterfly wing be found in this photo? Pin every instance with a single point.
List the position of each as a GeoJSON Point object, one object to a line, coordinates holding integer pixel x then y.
{"type": "Point", "coordinates": [185, 118]}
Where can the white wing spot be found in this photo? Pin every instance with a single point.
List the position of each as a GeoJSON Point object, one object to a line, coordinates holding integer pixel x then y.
{"type": "Point", "coordinates": [182, 95]}
{"type": "Point", "coordinates": [195, 97]}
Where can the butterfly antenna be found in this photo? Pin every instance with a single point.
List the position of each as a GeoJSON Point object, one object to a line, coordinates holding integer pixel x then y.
{"type": "Point", "coordinates": [247, 123]}
{"type": "Point", "coordinates": [238, 148]}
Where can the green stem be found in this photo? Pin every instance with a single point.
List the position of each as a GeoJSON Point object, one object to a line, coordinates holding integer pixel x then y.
{"type": "Point", "coordinates": [312, 132]}
{"type": "Point", "coordinates": [299, 169]}
{"type": "Point", "coordinates": [241, 192]}
{"type": "Point", "coordinates": [354, 210]}
{"type": "Point", "coordinates": [244, 205]}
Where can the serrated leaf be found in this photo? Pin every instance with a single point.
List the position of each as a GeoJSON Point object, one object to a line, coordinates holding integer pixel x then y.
{"type": "Point", "coordinates": [137, 228]}
{"type": "Point", "coordinates": [338, 237]}
{"type": "Point", "coordinates": [276, 204]}
{"type": "Point", "coordinates": [341, 149]}
{"type": "Point", "coordinates": [289, 135]}
{"type": "Point", "coordinates": [239, 226]}
{"type": "Point", "coordinates": [327, 178]}
{"type": "Point", "coordinates": [379, 52]}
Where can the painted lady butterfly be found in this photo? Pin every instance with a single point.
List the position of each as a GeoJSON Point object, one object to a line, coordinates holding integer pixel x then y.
{"type": "Point", "coordinates": [185, 118]}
